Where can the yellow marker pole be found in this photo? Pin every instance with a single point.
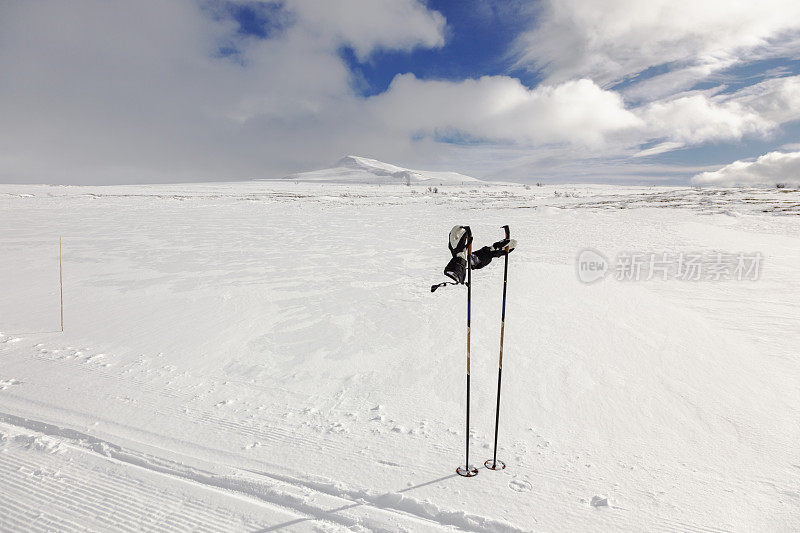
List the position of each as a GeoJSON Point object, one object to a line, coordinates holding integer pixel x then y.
{"type": "Point", "coordinates": [61, 283]}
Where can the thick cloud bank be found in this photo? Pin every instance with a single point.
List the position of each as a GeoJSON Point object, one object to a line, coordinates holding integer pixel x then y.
{"type": "Point", "coordinates": [111, 92]}
{"type": "Point", "coordinates": [499, 108]}
{"type": "Point", "coordinates": [769, 169]}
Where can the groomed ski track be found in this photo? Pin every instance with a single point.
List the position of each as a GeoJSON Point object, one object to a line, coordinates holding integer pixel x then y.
{"type": "Point", "coordinates": [86, 482]}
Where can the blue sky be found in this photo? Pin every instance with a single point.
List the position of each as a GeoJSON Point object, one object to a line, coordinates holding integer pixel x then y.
{"type": "Point", "coordinates": [478, 41]}
{"type": "Point", "coordinates": [551, 90]}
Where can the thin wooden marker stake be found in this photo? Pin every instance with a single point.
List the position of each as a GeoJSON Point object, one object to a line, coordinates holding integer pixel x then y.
{"type": "Point", "coordinates": [60, 284]}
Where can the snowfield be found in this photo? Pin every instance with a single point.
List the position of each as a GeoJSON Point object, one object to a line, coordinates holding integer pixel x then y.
{"type": "Point", "coordinates": [268, 356]}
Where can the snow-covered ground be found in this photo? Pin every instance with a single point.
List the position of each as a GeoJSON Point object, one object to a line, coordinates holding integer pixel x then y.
{"type": "Point", "coordinates": [267, 356]}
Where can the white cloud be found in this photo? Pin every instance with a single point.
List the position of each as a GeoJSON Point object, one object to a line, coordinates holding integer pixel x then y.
{"type": "Point", "coordinates": [660, 148]}
{"type": "Point", "coordinates": [675, 82]}
{"type": "Point", "coordinates": [501, 109]}
{"type": "Point", "coordinates": [611, 40]}
{"type": "Point", "coordinates": [100, 92]}
{"type": "Point", "coordinates": [566, 164]}
{"type": "Point", "coordinates": [662, 48]}
{"type": "Point", "coordinates": [697, 119]}
{"type": "Point", "coordinates": [367, 25]}
{"type": "Point", "coordinates": [776, 99]}
{"type": "Point", "coordinates": [769, 169]}
{"type": "Point", "coordinates": [756, 111]}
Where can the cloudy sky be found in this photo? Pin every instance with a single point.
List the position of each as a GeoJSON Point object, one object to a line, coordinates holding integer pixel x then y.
{"type": "Point", "coordinates": [678, 91]}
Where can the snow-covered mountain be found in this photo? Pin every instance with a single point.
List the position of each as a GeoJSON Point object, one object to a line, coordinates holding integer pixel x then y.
{"type": "Point", "coordinates": [354, 169]}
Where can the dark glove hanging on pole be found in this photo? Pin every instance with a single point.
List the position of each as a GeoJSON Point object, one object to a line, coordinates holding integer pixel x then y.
{"type": "Point", "coordinates": [484, 256]}
{"type": "Point", "coordinates": [459, 241]}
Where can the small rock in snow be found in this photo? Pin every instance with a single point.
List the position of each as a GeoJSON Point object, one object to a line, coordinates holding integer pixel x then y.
{"type": "Point", "coordinates": [597, 501]}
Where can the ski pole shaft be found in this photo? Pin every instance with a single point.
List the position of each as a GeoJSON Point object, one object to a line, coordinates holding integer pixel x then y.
{"type": "Point", "coordinates": [469, 317]}
{"type": "Point", "coordinates": [500, 364]}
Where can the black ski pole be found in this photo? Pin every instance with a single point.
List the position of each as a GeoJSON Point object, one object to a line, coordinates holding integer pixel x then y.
{"type": "Point", "coordinates": [467, 470]}
{"type": "Point", "coordinates": [494, 462]}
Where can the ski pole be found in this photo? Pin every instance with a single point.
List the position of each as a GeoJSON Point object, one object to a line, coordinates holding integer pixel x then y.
{"type": "Point", "coordinates": [494, 462]}
{"type": "Point", "coordinates": [468, 471]}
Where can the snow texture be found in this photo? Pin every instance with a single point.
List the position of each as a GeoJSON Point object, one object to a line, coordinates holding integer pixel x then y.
{"type": "Point", "coordinates": [268, 356]}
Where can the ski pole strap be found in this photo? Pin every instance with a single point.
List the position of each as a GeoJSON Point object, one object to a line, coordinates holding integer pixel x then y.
{"type": "Point", "coordinates": [434, 287]}
{"type": "Point", "coordinates": [442, 284]}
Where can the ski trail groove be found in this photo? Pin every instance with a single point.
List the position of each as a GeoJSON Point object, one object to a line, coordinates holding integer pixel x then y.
{"type": "Point", "coordinates": [378, 508]}
{"type": "Point", "coordinates": [109, 495]}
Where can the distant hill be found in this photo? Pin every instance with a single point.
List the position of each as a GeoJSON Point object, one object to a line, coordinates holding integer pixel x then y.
{"type": "Point", "coordinates": [354, 169]}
